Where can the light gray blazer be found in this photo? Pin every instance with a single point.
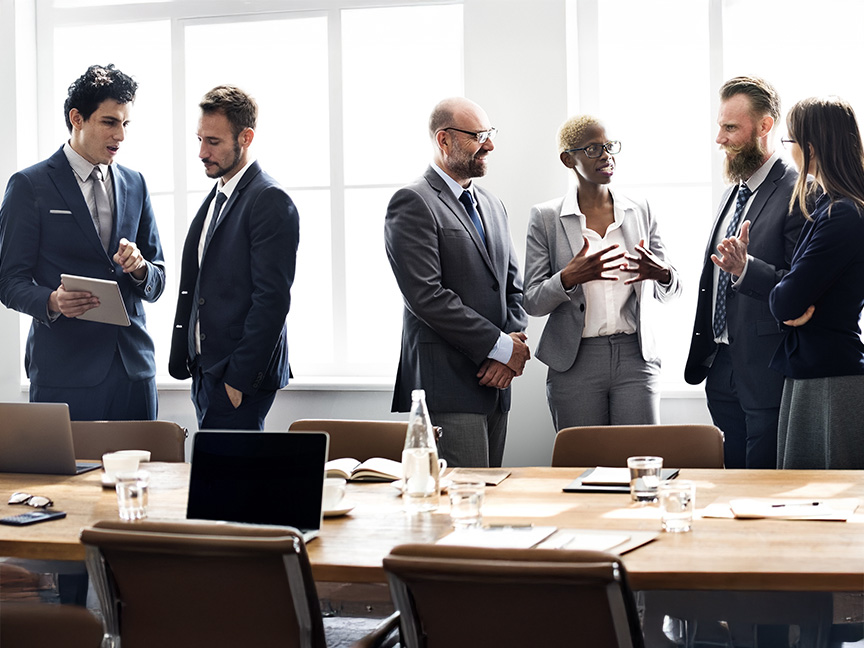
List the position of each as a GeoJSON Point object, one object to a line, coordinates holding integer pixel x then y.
{"type": "Point", "coordinates": [554, 238]}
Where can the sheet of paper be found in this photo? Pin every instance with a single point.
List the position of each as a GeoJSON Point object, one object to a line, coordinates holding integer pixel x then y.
{"type": "Point", "coordinates": [610, 476]}
{"type": "Point", "coordinates": [503, 537]}
{"type": "Point", "coordinates": [485, 475]}
{"type": "Point", "coordinates": [795, 508]}
{"type": "Point", "coordinates": [593, 540]}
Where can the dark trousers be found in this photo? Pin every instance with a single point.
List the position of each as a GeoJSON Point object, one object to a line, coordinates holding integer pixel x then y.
{"type": "Point", "coordinates": [750, 426]}
{"type": "Point", "coordinates": [215, 410]}
{"type": "Point", "coordinates": [117, 398]}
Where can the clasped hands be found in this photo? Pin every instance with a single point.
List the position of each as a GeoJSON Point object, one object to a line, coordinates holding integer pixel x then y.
{"type": "Point", "coordinates": [73, 303]}
{"type": "Point", "coordinates": [499, 375]}
{"type": "Point", "coordinates": [585, 267]}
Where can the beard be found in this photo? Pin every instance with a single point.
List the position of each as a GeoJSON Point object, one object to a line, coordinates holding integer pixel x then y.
{"type": "Point", "coordinates": [744, 161]}
{"type": "Point", "coordinates": [220, 170]}
{"type": "Point", "coordinates": [473, 166]}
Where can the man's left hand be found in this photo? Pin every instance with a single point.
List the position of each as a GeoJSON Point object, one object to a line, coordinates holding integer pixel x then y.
{"type": "Point", "coordinates": [734, 251]}
{"type": "Point", "coordinates": [234, 395]}
{"type": "Point", "coordinates": [495, 374]}
{"type": "Point", "coordinates": [129, 258]}
{"type": "Point", "coordinates": [648, 266]}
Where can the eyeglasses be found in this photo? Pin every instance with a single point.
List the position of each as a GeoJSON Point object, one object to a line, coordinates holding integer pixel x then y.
{"type": "Point", "coordinates": [596, 150]}
{"type": "Point", "coordinates": [36, 501]}
{"type": "Point", "coordinates": [480, 136]}
{"type": "Point", "coordinates": [786, 142]}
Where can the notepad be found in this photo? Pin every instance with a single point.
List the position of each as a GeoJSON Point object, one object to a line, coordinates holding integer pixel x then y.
{"type": "Point", "coordinates": [374, 469]}
{"type": "Point", "coordinates": [499, 537]}
{"type": "Point", "coordinates": [609, 476]}
{"type": "Point", "coordinates": [838, 509]}
{"type": "Point", "coordinates": [485, 475]}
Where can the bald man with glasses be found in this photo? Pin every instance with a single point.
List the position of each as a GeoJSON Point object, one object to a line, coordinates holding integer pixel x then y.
{"type": "Point", "coordinates": [448, 242]}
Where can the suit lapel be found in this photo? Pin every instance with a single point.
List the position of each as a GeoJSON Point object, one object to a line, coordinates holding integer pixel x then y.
{"type": "Point", "coordinates": [253, 170]}
{"type": "Point", "coordinates": [763, 193]}
{"type": "Point", "coordinates": [64, 180]}
{"type": "Point", "coordinates": [121, 187]}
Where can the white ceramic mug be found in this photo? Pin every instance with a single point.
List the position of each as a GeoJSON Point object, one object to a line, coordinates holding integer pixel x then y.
{"type": "Point", "coordinates": [117, 462]}
{"type": "Point", "coordinates": [334, 491]}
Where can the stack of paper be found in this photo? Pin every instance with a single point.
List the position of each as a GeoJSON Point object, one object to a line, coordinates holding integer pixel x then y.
{"type": "Point", "coordinates": [794, 508]}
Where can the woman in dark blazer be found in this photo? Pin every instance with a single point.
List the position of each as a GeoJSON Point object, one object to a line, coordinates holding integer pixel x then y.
{"type": "Point", "coordinates": [594, 257]}
{"type": "Point", "coordinates": [821, 298]}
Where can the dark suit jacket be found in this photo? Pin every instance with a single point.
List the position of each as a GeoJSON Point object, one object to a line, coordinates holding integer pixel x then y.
{"type": "Point", "coordinates": [45, 230]}
{"type": "Point", "coordinates": [827, 272]}
{"type": "Point", "coordinates": [244, 287]}
{"type": "Point", "coordinates": [458, 295]}
{"type": "Point", "coordinates": [754, 334]}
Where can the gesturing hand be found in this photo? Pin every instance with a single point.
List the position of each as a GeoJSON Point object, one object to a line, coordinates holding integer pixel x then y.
{"type": "Point", "coordinates": [648, 266]}
{"type": "Point", "coordinates": [734, 251]}
{"type": "Point", "coordinates": [586, 267]}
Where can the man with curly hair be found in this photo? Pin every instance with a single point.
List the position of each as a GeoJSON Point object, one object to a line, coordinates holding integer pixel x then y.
{"type": "Point", "coordinates": [79, 213]}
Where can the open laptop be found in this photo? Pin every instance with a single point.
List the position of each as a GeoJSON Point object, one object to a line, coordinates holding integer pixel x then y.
{"type": "Point", "coordinates": [259, 478]}
{"type": "Point", "coordinates": [37, 438]}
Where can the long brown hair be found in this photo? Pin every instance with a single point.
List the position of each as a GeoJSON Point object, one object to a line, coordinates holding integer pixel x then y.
{"type": "Point", "coordinates": [826, 130]}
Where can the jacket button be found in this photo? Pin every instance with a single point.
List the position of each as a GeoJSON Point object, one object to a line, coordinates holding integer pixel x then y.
{"type": "Point", "coordinates": [581, 308]}
{"type": "Point", "coordinates": [495, 287]}
{"type": "Point", "coordinates": [200, 301]}
{"type": "Point", "coordinates": [203, 337]}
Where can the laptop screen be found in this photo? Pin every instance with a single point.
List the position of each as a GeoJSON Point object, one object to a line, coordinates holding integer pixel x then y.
{"type": "Point", "coordinates": [258, 478]}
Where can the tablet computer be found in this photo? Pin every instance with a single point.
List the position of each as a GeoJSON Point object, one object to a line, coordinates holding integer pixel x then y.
{"type": "Point", "coordinates": [110, 310]}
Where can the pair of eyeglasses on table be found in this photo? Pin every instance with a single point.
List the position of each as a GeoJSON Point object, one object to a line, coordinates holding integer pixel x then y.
{"type": "Point", "coordinates": [33, 517]}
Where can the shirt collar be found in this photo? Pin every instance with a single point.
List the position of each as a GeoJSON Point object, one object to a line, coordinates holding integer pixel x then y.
{"type": "Point", "coordinates": [228, 187]}
{"type": "Point", "coordinates": [570, 206]}
{"type": "Point", "coordinates": [455, 188]}
{"type": "Point", "coordinates": [758, 177]}
{"type": "Point", "coordinates": [81, 166]}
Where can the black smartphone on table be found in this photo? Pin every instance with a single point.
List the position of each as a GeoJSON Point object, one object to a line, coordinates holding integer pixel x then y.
{"type": "Point", "coordinates": [33, 517]}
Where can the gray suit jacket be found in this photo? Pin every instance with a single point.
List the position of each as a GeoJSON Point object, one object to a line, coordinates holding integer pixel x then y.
{"type": "Point", "coordinates": [458, 295]}
{"type": "Point", "coordinates": [754, 334]}
{"type": "Point", "coordinates": [554, 238]}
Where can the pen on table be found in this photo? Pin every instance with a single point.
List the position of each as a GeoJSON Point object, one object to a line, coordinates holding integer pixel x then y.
{"type": "Point", "coordinates": [796, 504]}
{"type": "Point", "coordinates": [509, 527]}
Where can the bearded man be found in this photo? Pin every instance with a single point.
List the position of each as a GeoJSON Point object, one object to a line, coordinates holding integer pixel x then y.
{"type": "Point", "coordinates": [751, 245]}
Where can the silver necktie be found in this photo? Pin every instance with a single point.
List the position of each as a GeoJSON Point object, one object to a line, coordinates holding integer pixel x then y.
{"type": "Point", "coordinates": [103, 217]}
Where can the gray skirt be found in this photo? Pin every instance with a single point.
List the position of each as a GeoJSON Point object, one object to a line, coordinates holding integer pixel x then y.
{"type": "Point", "coordinates": [821, 423]}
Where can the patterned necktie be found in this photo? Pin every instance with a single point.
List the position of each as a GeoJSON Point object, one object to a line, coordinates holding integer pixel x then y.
{"type": "Point", "coordinates": [723, 278]}
{"type": "Point", "coordinates": [468, 203]}
{"type": "Point", "coordinates": [104, 219]}
{"type": "Point", "coordinates": [191, 340]}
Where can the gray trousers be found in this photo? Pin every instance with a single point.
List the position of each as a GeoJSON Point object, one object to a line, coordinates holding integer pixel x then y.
{"type": "Point", "coordinates": [609, 384]}
{"type": "Point", "coordinates": [471, 440]}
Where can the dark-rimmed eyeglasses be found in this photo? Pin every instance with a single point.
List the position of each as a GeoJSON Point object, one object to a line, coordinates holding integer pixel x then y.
{"type": "Point", "coordinates": [480, 136]}
{"type": "Point", "coordinates": [787, 142]}
{"type": "Point", "coordinates": [36, 501]}
{"type": "Point", "coordinates": [596, 150]}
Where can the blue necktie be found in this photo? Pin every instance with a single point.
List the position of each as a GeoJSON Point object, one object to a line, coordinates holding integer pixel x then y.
{"type": "Point", "coordinates": [723, 279]}
{"type": "Point", "coordinates": [193, 316]}
{"type": "Point", "coordinates": [468, 203]}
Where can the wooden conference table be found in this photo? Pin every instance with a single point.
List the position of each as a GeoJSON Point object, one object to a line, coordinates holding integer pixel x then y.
{"type": "Point", "coordinates": [719, 554]}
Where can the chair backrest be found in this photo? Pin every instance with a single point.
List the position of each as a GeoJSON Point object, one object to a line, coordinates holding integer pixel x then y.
{"type": "Point", "coordinates": [29, 624]}
{"type": "Point", "coordinates": [360, 440]}
{"type": "Point", "coordinates": [164, 439]}
{"type": "Point", "coordinates": [469, 596]}
{"type": "Point", "coordinates": [681, 446]}
{"type": "Point", "coordinates": [191, 583]}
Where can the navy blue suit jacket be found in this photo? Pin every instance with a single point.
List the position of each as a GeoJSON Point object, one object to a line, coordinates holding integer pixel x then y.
{"type": "Point", "coordinates": [244, 287]}
{"type": "Point", "coordinates": [45, 230]}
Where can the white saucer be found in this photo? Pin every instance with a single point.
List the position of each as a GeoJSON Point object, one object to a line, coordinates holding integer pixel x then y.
{"type": "Point", "coordinates": [344, 509]}
{"type": "Point", "coordinates": [108, 482]}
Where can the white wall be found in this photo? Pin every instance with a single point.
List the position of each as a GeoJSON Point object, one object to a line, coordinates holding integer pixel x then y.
{"type": "Point", "coordinates": [523, 170]}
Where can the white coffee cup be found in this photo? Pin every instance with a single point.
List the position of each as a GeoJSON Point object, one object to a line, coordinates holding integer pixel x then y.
{"type": "Point", "coordinates": [117, 462]}
{"type": "Point", "coordinates": [143, 455]}
{"type": "Point", "coordinates": [334, 491]}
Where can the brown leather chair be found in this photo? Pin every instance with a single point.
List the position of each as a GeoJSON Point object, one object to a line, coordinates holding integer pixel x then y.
{"type": "Point", "coordinates": [200, 583]}
{"type": "Point", "coordinates": [681, 446]}
{"type": "Point", "coordinates": [43, 625]}
{"type": "Point", "coordinates": [164, 439]}
{"type": "Point", "coordinates": [360, 440]}
{"type": "Point", "coordinates": [469, 596]}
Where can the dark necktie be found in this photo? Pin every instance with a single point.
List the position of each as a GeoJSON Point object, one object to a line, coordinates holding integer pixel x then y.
{"type": "Point", "coordinates": [468, 202]}
{"type": "Point", "coordinates": [103, 217]}
{"type": "Point", "coordinates": [196, 299]}
{"type": "Point", "coordinates": [723, 278]}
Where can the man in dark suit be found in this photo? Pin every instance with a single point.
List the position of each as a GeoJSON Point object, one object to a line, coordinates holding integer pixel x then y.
{"type": "Point", "coordinates": [735, 335]}
{"type": "Point", "coordinates": [80, 213]}
{"type": "Point", "coordinates": [236, 275]}
{"type": "Point", "coordinates": [449, 245]}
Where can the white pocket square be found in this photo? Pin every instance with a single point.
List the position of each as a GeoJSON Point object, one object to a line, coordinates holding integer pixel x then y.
{"type": "Point", "coordinates": [59, 211]}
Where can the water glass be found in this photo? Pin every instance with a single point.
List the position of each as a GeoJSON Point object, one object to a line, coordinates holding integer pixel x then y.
{"type": "Point", "coordinates": [466, 502]}
{"type": "Point", "coordinates": [677, 502]}
{"type": "Point", "coordinates": [644, 478]}
{"type": "Point", "coordinates": [132, 494]}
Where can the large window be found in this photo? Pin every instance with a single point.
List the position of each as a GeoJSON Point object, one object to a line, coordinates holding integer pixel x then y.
{"type": "Point", "coordinates": [341, 126]}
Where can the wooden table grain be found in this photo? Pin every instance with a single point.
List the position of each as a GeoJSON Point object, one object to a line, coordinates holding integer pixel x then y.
{"type": "Point", "coordinates": [719, 554]}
